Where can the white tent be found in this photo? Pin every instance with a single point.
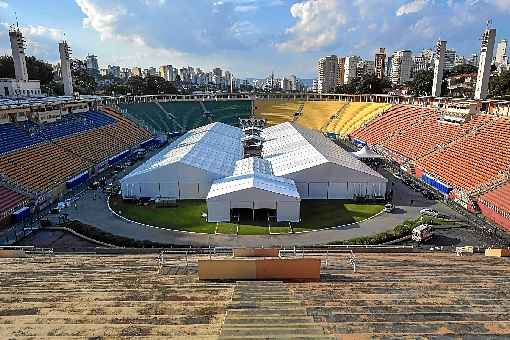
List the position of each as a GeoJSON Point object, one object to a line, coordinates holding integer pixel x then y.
{"type": "Point", "coordinates": [320, 168]}
{"type": "Point", "coordinates": [365, 153]}
{"type": "Point", "coordinates": [186, 168]}
{"type": "Point", "coordinates": [253, 186]}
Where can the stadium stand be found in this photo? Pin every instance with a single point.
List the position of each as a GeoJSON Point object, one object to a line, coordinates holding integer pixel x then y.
{"type": "Point", "coordinates": [118, 296]}
{"type": "Point", "coordinates": [9, 201]}
{"type": "Point", "coordinates": [68, 125]}
{"type": "Point", "coordinates": [189, 114]}
{"type": "Point", "coordinates": [13, 137]}
{"type": "Point", "coordinates": [495, 205]}
{"type": "Point", "coordinates": [353, 116]}
{"type": "Point", "coordinates": [229, 111]}
{"type": "Point", "coordinates": [151, 114]}
{"type": "Point", "coordinates": [277, 111]}
{"type": "Point", "coordinates": [391, 295]}
{"type": "Point", "coordinates": [475, 158]}
{"type": "Point", "coordinates": [317, 114]}
{"type": "Point", "coordinates": [41, 167]}
{"type": "Point", "coordinates": [67, 148]}
{"type": "Point", "coordinates": [414, 132]}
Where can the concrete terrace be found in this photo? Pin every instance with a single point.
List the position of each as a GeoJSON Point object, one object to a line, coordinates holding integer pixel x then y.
{"type": "Point", "coordinates": [418, 295]}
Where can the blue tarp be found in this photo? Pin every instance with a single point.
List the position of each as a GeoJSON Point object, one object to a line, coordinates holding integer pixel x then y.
{"type": "Point", "coordinates": [118, 157]}
{"type": "Point", "coordinates": [359, 142]}
{"type": "Point", "coordinates": [20, 214]}
{"type": "Point", "coordinates": [77, 180]}
{"type": "Point", "coordinates": [435, 183]}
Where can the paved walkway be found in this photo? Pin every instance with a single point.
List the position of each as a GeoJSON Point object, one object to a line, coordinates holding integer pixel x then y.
{"type": "Point", "coordinates": [96, 213]}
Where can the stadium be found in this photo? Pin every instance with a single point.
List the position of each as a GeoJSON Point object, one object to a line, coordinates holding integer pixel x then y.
{"type": "Point", "coordinates": [121, 216]}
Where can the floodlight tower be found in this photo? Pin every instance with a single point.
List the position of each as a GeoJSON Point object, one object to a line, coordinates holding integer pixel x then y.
{"type": "Point", "coordinates": [438, 68]}
{"type": "Point", "coordinates": [18, 53]}
{"type": "Point", "coordinates": [484, 67]}
{"type": "Point", "coordinates": [65, 66]}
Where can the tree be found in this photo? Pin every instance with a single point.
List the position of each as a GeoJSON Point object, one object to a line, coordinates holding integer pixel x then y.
{"type": "Point", "coordinates": [136, 85]}
{"type": "Point", "coordinates": [83, 82]}
{"type": "Point", "coordinates": [367, 84]}
{"type": "Point", "coordinates": [37, 69]}
{"type": "Point", "coordinates": [421, 85]}
{"type": "Point", "coordinates": [462, 69]}
{"type": "Point", "coordinates": [499, 85]}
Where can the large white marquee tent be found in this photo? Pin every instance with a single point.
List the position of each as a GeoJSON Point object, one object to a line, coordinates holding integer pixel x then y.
{"type": "Point", "coordinates": [253, 186]}
{"type": "Point", "coordinates": [320, 168]}
{"type": "Point", "coordinates": [297, 163]}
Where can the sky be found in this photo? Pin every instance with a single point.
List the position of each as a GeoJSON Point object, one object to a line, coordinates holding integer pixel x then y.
{"type": "Point", "coordinates": [252, 38]}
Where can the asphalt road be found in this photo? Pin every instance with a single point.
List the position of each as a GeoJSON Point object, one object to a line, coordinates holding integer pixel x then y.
{"type": "Point", "coordinates": [96, 213]}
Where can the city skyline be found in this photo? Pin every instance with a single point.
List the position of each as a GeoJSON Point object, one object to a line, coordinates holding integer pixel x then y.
{"type": "Point", "coordinates": [242, 35]}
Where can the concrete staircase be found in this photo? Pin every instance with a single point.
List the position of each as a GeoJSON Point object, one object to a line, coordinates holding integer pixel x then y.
{"type": "Point", "coordinates": [266, 310]}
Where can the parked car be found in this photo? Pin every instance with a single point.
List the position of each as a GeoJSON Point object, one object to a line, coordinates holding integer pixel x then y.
{"type": "Point", "coordinates": [422, 233]}
{"type": "Point", "coordinates": [389, 207]}
{"type": "Point", "coordinates": [429, 212]}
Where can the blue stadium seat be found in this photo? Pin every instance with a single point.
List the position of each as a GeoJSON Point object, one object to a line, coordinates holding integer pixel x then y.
{"type": "Point", "coordinates": [14, 137]}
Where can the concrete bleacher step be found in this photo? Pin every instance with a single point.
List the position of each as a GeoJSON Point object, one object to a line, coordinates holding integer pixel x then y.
{"type": "Point", "coordinates": [267, 310]}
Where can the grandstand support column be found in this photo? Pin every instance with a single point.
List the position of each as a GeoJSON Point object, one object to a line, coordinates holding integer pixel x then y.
{"type": "Point", "coordinates": [484, 66]}
{"type": "Point", "coordinates": [438, 68]}
{"type": "Point", "coordinates": [65, 64]}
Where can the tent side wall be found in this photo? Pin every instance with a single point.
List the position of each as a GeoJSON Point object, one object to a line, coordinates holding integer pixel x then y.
{"type": "Point", "coordinates": [175, 180]}
{"type": "Point", "coordinates": [331, 181]}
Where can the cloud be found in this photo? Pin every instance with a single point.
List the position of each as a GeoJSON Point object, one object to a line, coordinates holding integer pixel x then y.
{"type": "Point", "coordinates": [424, 28]}
{"type": "Point", "coordinates": [503, 5]}
{"type": "Point", "coordinates": [3, 4]}
{"type": "Point", "coordinates": [411, 7]}
{"type": "Point", "coordinates": [316, 27]}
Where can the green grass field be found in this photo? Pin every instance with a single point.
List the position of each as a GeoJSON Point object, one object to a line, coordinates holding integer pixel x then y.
{"type": "Point", "coordinates": [187, 216]}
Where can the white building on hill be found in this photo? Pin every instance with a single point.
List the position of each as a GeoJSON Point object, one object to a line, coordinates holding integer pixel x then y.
{"type": "Point", "coordinates": [297, 163]}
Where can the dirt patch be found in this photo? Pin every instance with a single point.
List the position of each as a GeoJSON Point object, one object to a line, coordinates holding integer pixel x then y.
{"type": "Point", "coordinates": [18, 312]}
{"type": "Point", "coordinates": [135, 331]}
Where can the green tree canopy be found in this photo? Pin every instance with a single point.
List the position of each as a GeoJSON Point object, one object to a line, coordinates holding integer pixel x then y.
{"type": "Point", "coordinates": [462, 69]}
{"type": "Point", "coordinates": [83, 82]}
{"type": "Point", "coordinates": [366, 84]}
{"type": "Point", "coordinates": [421, 85]}
{"type": "Point", "coordinates": [37, 69]}
{"type": "Point", "coordinates": [499, 85]}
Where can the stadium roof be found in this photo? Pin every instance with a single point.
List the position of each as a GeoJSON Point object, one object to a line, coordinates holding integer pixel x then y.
{"type": "Point", "coordinates": [214, 147]}
{"type": "Point", "coordinates": [291, 148]}
{"type": "Point", "coordinates": [253, 173]}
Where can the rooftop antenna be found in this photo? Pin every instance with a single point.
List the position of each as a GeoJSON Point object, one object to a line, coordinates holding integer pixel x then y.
{"type": "Point", "coordinates": [16, 16]}
{"type": "Point", "coordinates": [489, 23]}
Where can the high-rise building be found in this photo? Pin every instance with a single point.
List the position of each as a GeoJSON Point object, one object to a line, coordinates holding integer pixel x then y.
{"type": "Point", "coordinates": [501, 55]}
{"type": "Point", "coordinates": [92, 65]}
{"type": "Point", "coordinates": [341, 71]}
{"type": "Point", "coordinates": [136, 71]}
{"type": "Point", "coordinates": [449, 58]}
{"type": "Point", "coordinates": [65, 67]}
{"type": "Point", "coordinates": [473, 60]}
{"type": "Point", "coordinates": [484, 66]}
{"type": "Point", "coordinates": [380, 62]}
{"type": "Point", "coordinates": [327, 74]}
{"type": "Point", "coordinates": [113, 71]}
{"type": "Point", "coordinates": [365, 67]}
{"type": "Point", "coordinates": [401, 67]}
{"type": "Point", "coordinates": [438, 68]}
{"type": "Point", "coordinates": [217, 72]}
{"type": "Point", "coordinates": [389, 65]}
{"type": "Point", "coordinates": [351, 68]}
{"type": "Point", "coordinates": [166, 72]}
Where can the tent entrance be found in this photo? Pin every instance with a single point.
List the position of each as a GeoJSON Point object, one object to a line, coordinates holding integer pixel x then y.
{"type": "Point", "coordinates": [261, 217]}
